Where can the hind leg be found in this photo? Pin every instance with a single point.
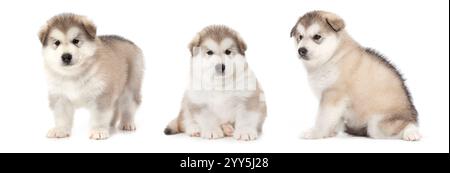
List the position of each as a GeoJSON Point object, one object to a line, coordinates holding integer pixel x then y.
{"type": "Point", "coordinates": [394, 128]}
{"type": "Point", "coordinates": [127, 108]}
{"type": "Point", "coordinates": [411, 133]}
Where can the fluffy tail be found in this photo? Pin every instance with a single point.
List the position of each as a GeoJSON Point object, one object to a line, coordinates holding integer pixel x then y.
{"type": "Point", "coordinates": [172, 128]}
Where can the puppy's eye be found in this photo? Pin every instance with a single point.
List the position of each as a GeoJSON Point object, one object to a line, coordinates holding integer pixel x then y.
{"type": "Point", "coordinates": [210, 52]}
{"type": "Point", "coordinates": [228, 52]}
{"type": "Point", "coordinates": [57, 43]}
{"type": "Point", "coordinates": [317, 37]}
{"type": "Point", "coordinates": [75, 41]}
{"type": "Point", "coordinates": [300, 37]}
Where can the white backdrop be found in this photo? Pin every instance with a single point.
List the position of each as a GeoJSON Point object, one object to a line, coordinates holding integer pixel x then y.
{"type": "Point", "coordinates": [413, 34]}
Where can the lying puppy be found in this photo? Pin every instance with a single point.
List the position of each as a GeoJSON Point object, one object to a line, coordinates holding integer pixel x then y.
{"type": "Point", "coordinates": [359, 90]}
{"type": "Point", "coordinates": [224, 97]}
{"type": "Point", "coordinates": [101, 73]}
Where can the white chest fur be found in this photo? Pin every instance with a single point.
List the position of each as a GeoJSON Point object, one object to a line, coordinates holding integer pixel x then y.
{"type": "Point", "coordinates": [322, 78]}
{"type": "Point", "coordinates": [80, 92]}
{"type": "Point", "coordinates": [223, 104]}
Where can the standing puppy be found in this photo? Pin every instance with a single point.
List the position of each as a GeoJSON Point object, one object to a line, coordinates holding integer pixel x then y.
{"type": "Point", "coordinates": [100, 73]}
{"type": "Point", "coordinates": [224, 97]}
{"type": "Point", "coordinates": [358, 89]}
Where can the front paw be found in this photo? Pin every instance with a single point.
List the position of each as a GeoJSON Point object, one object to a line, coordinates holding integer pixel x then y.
{"type": "Point", "coordinates": [245, 134]}
{"type": "Point", "coordinates": [128, 126]}
{"type": "Point", "coordinates": [99, 134]}
{"type": "Point", "coordinates": [228, 129]}
{"type": "Point", "coordinates": [58, 133]}
{"type": "Point", "coordinates": [212, 134]}
{"type": "Point", "coordinates": [193, 130]}
{"type": "Point", "coordinates": [316, 134]}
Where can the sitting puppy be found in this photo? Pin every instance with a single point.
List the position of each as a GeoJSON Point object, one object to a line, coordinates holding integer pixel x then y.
{"type": "Point", "coordinates": [100, 73]}
{"type": "Point", "coordinates": [358, 89]}
{"type": "Point", "coordinates": [224, 97]}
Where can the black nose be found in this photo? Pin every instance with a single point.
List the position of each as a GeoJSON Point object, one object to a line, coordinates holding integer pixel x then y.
{"type": "Point", "coordinates": [302, 51]}
{"type": "Point", "coordinates": [220, 68]}
{"type": "Point", "coordinates": [66, 58]}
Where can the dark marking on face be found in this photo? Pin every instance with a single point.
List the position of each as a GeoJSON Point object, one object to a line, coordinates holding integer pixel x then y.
{"type": "Point", "coordinates": [326, 19]}
{"type": "Point", "coordinates": [218, 33]}
{"type": "Point", "coordinates": [64, 22]}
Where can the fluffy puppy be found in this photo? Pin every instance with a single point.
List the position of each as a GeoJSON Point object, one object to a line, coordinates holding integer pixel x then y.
{"type": "Point", "coordinates": [100, 73]}
{"type": "Point", "coordinates": [224, 97]}
{"type": "Point", "coordinates": [359, 90]}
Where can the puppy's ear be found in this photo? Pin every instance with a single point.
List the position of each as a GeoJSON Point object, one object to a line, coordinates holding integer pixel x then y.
{"type": "Point", "coordinates": [194, 44]}
{"type": "Point", "coordinates": [335, 22]}
{"type": "Point", "coordinates": [241, 45]}
{"type": "Point", "coordinates": [293, 30]}
{"type": "Point", "coordinates": [89, 27]}
{"type": "Point", "coordinates": [195, 50]}
{"type": "Point", "coordinates": [43, 33]}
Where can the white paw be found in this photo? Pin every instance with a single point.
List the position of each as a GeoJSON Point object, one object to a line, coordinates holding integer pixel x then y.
{"type": "Point", "coordinates": [245, 135]}
{"type": "Point", "coordinates": [99, 134]}
{"type": "Point", "coordinates": [130, 126]}
{"type": "Point", "coordinates": [411, 133]}
{"type": "Point", "coordinates": [315, 134]}
{"type": "Point", "coordinates": [212, 134]}
{"type": "Point", "coordinates": [58, 133]}
{"type": "Point", "coordinates": [193, 131]}
{"type": "Point", "coordinates": [308, 134]}
{"type": "Point", "coordinates": [228, 129]}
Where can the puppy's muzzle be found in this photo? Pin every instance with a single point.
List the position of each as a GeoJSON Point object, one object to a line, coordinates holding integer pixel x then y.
{"type": "Point", "coordinates": [303, 52]}
{"type": "Point", "coordinates": [66, 58]}
{"type": "Point", "coordinates": [220, 69]}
